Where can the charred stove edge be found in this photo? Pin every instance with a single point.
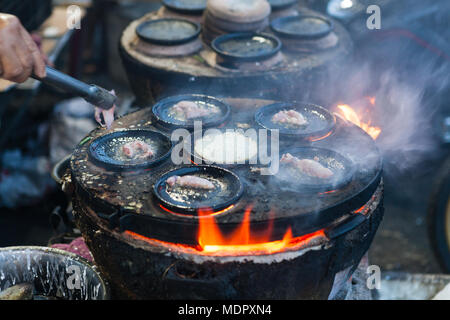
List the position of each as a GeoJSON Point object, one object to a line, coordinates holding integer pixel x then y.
{"type": "Point", "coordinates": [345, 227]}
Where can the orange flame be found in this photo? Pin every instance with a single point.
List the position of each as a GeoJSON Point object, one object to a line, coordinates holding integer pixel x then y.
{"type": "Point", "coordinates": [212, 242]}
{"type": "Point", "coordinates": [211, 239]}
{"type": "Point", "coordinates": [352, 116]}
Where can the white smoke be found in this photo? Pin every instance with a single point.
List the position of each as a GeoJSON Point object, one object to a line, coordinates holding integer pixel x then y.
{"type": "Point", "coordinates": [408, 95]}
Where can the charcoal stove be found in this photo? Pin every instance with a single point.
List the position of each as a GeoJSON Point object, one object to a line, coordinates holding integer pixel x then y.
{"type": "Point", "coordinates": [291, 244]}
{"type": "Point", "coordinates": [153, 76]}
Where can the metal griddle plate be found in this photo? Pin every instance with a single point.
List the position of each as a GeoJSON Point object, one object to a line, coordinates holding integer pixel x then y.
{"type": "Point", "coordinates": [342, 168]}
{"type": "Point", "coordinates": [163, 114]}
{"type": "Point", "coordinates": [302, 27]}
{"type": "Point", "coordinates": [168, 31]}
{"type": "Point", "coordinates": [186, 6]}
{"type": "Point", "coordinates": [105, 190]}
{"type": "Point", "coordinates": [320, 121]}
{"type": "Point", "coordinates": [228, 190]}
{"type": "Point", "coordinates": [246, 46]}
{"type": "Point", "coordinates": [106, 150]}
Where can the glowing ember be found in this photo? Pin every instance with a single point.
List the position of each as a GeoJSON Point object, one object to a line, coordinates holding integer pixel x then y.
{"type": "Point", "coordinates": [211, 239]}
{"type": "Point", "coordinates": [216, 213]}
{"type": "Point", "coordinates": [351, 115]}
{"type": "Point", "coordinates": [212, 242]}
{"type": "Point", "coordinates": [321, 138]}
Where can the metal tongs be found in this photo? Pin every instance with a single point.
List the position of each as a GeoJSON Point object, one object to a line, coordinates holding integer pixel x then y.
{"type": "Point", "coordinates": [93, 94]}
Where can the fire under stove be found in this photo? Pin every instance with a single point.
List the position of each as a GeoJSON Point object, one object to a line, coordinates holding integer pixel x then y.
{"type": "Point", "coordinates": [259, 237]}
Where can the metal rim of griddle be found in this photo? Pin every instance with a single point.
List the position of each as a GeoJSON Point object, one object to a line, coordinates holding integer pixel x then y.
{"type": "Point", "coordinates": [220, 40]}
{"type": "Point", "coordinates": [60, 168]}
{"type": "Point", "coordinates": [180, 208]}
{"type": "Point", "coordinates": [184, 7]}
{"type": "Point", "coordinates": [311, 152]}
{"type": "Point", "coordinates": [141, 34]}
{"type": "Point", "coordinates": [263, 118]}
{"type": "Point", "coordinates": [160, 108]}
{"type": "Point", "coordinates": [189, 148]}
{"type": "Point", "coordinates": [117, 165]}
{"type": "Point", "coordinates": [278, 24]}
{"type": "Point", "coordinates": [59, 256]}
{"type": "Point", "coordinates": [281, 4]}
{"type": "Point", "coordinates": [335, 220]}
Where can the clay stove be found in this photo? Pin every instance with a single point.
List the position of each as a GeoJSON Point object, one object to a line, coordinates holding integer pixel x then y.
{"type": "Point", "coordinates": [272, 242]}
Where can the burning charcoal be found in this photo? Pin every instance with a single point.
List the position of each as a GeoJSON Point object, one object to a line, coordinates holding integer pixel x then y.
{"type": "Point", "coordinates": [190, 181]}
{"type": "Point", "coordinates": [307, 166]}
{"type": "Point", "coordinates": [290, 118]}
{"type": "Point", "coordinates": [23, 291]}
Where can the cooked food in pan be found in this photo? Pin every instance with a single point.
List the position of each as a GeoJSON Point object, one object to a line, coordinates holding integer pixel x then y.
{"type": "Point", "coordinates": [137, 149]}
{"type": "Point", "coordinates": [309, 167]}
{"type": "Point", "coordinates": [190, 182]}
{"type": "Point", "coordinates": [226, 148]}
{"type": "Point", "coordinates": [188, 110]}
{"type": "Point", "coordinates": [289, 118]}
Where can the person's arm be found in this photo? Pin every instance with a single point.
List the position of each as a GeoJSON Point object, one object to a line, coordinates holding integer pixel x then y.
{"type": "Point", "coordinates": [19, 54]}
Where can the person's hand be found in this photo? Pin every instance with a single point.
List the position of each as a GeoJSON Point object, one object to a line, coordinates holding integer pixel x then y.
{"type": "Point", "coordinates": [19, 54]}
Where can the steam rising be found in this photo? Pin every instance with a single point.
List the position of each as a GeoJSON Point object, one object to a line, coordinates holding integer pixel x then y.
{"type": "Point", "coordinates": [406, 82]}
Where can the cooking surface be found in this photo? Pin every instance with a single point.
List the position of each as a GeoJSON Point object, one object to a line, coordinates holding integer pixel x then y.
{"type": "Point", "coordinates": [226, 190]}
{"type": "Point", "coordinates": [302, 26]}
{"type": "Point", "coordinates": [168, 31]}
{"type": "Point", "coordinates": [246, 46]}
{"type": "Point", "coordinates": [133, 190]}
{"type": "Point", "coordinates": [340, 167]}
{"type": "Point", "coordinates": [318, 122]}
{"type": "Point", "coordinates": [218, 111]}
{"type": "Point", "coordinates": [109, 150]}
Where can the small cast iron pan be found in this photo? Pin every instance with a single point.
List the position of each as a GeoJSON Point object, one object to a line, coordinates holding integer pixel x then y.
{"type": "Point", "coordinates": [281, 4]}
{"type": "Point", "coordinates": [184, 200]}
{"type": "Point", "coordinates": [294, 179]}
{"type": "Point", "coordinates": [168, 31]}
{"type": "Point", "coordinates": [302, 27]}
{"type": "Point", "coordinates": [165, 117]}
{"type": "Point", "coordinates": [320, 122]}
{"type": "Point", "coordinates": [186, 6]}
{"type": "Point", "coordinates": [106, 150]}
{"type": "Point", "coordinates": [246, 46]}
